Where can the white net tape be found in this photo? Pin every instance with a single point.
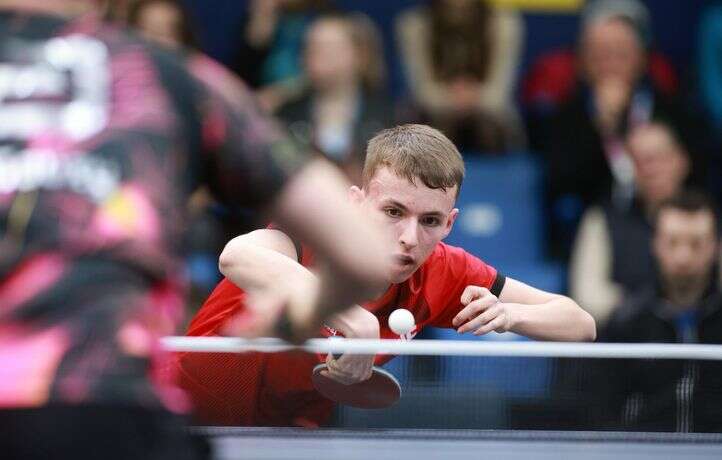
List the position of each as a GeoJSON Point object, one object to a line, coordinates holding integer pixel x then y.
{"type": "Point", "coordinates": [449, 348]}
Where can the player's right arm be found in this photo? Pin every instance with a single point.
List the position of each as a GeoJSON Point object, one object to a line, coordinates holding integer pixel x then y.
{"type": "Point", "coordinates": [262, 260]}
{"type": "Point", "coordinates": [267, 260]}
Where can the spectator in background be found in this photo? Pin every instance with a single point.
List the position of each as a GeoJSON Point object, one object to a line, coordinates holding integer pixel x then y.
{"type": "Point", "coordinates": [269, 53]}
{"type": "Point", "coordinates": [586, 155]}
{"type": "Point", "coordinates": [685, 306]}
{"type": "Point", "coordinates": [612, 254]}
{"type": "Point", "coordinates": [461, 57]}
{"type": "Point", "coordinates": [343, 104]}
{"type": "Point", "coordinates": [554, 78]}
{"type": "Point", "coordinates": [165, 22]}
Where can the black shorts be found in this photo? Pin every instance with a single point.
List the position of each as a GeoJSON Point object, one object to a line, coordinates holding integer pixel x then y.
{"type": "Point", "coordinates": [97, 432]}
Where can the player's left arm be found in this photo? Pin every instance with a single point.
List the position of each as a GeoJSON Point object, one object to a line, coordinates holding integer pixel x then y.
{"type": "Point", "coordinates": [524, 310]}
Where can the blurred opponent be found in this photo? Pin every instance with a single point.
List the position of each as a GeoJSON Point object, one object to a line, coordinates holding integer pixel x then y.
{"type": "Point", "coordinates": [102, 137]}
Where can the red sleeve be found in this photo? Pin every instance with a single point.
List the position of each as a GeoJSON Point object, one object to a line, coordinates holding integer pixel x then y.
{"type": "Point", "coordinates": [452, 270]}
{"type": "Point", "coordinates": [225, 301]}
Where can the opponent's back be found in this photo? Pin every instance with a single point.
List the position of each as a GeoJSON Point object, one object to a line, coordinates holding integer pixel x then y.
{"type": "Point", "coordinates": [102, 138]}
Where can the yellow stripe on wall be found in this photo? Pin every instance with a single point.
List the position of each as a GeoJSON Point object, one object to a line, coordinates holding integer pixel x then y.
{"type": "Point", "coordinates": [564, 6]}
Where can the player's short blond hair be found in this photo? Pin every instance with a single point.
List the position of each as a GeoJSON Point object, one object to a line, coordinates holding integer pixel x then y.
{"type": "Point", "coordinates": [415, 152]}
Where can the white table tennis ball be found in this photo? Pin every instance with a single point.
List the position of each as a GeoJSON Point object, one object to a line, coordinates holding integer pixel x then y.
{"type": "Point", "coordinates": [401, 321]}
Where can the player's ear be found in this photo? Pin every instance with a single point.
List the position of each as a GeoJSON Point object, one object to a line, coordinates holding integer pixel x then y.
{"type": "Point", "coordinates": [450, 221]}
{"type": "Point", "coordinates": [355, 194]}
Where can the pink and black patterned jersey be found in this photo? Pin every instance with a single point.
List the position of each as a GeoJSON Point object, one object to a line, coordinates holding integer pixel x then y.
{"type": "Point", "coordinates": [102, 139]}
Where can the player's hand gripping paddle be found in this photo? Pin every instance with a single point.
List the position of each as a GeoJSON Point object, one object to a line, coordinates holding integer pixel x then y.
{"type": "Point", "coordinates": [378, 392]}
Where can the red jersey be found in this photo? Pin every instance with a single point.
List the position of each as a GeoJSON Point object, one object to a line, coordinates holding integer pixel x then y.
{"type": "Point", "coordinates": [275, 389]}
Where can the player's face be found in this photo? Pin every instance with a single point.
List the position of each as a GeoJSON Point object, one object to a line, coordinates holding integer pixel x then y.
{"type": "Point", "coordinates": [415, 216]}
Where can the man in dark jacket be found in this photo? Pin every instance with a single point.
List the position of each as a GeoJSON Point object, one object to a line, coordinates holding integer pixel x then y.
{"type": "Point", "coordinates": [684, 307]}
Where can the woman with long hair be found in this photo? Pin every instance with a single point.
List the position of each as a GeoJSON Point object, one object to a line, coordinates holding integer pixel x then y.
{"type": "Point", "coordinates": [460, 59]}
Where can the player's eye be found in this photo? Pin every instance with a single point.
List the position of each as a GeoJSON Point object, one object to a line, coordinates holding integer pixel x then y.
{"type": "Point", "coordinates": [392, 212]}
{"type": "Point", "coordinates": [430, 221]}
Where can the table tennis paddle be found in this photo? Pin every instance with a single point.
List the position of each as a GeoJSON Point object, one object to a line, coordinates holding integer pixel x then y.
{"type": "Point", "coordinates": [380, 391]}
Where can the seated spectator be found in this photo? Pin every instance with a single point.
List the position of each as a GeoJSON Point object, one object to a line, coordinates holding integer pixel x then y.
{"type": "Point", "coordinates": [585, 152]}
{"type": "Point", "coordinates": [165, 22]}
{"type": "Point", "coordinates": [684, 306]}
{"type": "Point", "coordinates": [555, 77]}
{"type": "Point", "coordinates": [461, 59]}
{"type": "Point", "coordinates": [269, 51]}
{"type": "Point", "coordinates": [612, 253]}
{"type": "Point", "coordinates": [343, 104]}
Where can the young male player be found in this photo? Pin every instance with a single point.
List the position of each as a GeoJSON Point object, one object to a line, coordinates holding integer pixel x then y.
{"type": "Point", "coordinates": [411, 179]}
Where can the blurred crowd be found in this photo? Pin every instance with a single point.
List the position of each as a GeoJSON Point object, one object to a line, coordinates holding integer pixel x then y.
{"type": "Point", "coordinates": [632, 165]}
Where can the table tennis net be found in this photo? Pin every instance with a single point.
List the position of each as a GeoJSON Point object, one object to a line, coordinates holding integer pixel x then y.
{"type": "Point", "coordinates": [490, 392]}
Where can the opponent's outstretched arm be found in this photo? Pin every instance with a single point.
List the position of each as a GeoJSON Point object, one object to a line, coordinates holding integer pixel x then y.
{"type": "Point", "coordinates": [314, 209]}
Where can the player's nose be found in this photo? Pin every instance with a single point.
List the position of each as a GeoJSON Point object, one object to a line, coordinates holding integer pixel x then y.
{"type": "Point", "coordinates": [409, 236]}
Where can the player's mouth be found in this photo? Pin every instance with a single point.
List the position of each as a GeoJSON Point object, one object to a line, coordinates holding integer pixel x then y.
{"type": "Point", "coordinates": [404, 260]}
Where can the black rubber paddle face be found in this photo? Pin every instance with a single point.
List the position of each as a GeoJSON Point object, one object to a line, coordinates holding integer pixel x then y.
{"type": "Point", "coordinates": [380, 391]}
